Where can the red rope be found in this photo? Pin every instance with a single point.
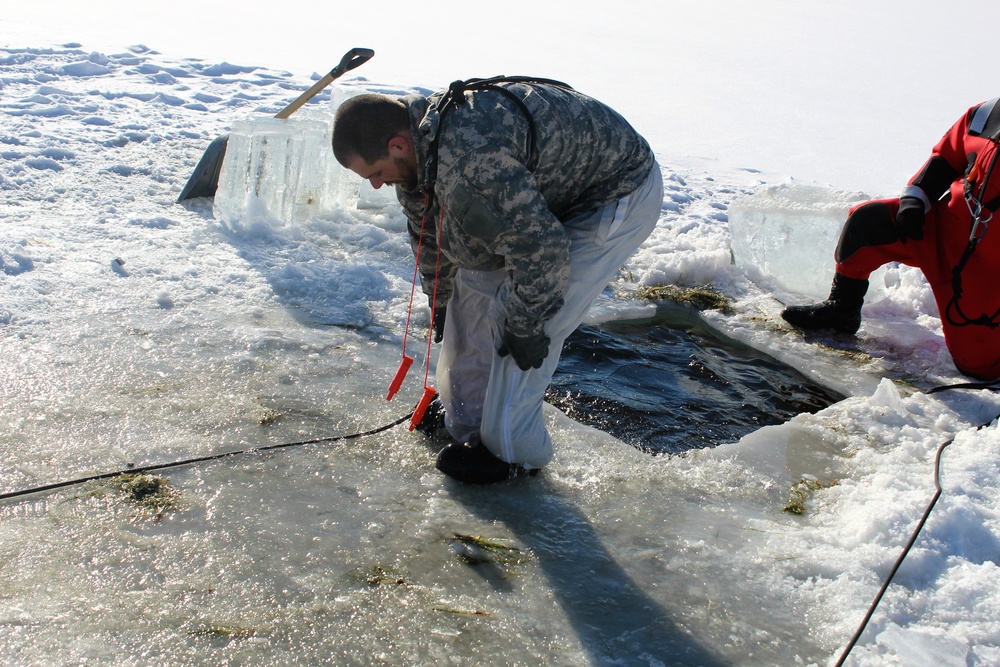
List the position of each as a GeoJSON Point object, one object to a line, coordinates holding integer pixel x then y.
{"type": "Point", "coordinates": [429, 391]}
{"type": "Point", "coordinates": [416, 273]}
{"type": "Point", "coordinates": [406, 362]}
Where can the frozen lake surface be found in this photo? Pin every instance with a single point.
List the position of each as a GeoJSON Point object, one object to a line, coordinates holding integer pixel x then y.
{"type": "Point", "coordinates": [136, 331]}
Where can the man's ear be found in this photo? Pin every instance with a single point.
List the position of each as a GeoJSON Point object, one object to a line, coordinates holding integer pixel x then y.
{"type": "Point", "coordinates": [398, 145]}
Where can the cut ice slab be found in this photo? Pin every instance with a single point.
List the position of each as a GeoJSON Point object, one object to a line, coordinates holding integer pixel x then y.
{"type": "Point", "coordinates": [284, 171]}
{"type": "Point", "coordinates": [785, 235]}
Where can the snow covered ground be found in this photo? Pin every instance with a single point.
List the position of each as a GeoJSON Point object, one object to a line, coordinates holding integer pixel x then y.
{"type": "Point", "coordinates": [135, 330]}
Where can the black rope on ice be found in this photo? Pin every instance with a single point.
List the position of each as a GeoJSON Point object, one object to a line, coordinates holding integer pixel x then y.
{"type": "Point", "coordinates": [923, 520]}
{"type": "Point", "coordinates": [992, 386]}
{"type": "Point", "coordinates": [902, 556]}
{"type": "Point", "coordinates": [199, 459]}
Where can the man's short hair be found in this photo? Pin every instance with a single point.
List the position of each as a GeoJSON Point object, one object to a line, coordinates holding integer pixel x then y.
{"type": "Point", "coordinates": [363, 126]}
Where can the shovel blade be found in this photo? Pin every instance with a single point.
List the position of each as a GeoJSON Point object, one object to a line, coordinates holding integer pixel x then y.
{"type": "Point", "coordinates": [204, 180]}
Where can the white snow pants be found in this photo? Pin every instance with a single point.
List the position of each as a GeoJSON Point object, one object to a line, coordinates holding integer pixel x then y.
{"type": "Point", "coordinates": [486, 393]}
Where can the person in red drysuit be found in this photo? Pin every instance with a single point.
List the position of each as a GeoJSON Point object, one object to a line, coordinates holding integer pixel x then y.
{"type": "Point", "coordinates": [938, 224]}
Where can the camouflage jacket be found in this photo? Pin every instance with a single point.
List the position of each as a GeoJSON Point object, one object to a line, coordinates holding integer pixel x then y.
{"type": "Point", "coordinates": [499, 204]}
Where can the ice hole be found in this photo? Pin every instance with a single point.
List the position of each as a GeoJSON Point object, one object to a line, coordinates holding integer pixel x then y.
{"type": "Point", "coordinates": [672, 384]}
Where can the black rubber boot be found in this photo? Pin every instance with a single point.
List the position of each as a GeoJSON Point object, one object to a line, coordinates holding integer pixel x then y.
{"type": "Point", "coordinates": [432, 423]}
{"type": "Point", "coordinates": [472, 463]}
{"type": "Point", "coordinates": [840, 312]}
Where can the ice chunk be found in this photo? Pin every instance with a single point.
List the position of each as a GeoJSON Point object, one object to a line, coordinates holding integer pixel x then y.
{"type": "Point", "coordinates": [919, 647]}
{"type": "Point", "coordinates": [788, 233]}
{"type": "Point", "coordinates": [285, 170]}
{"type": "Point", "coordinates": [887, 395]}
{"type": "Point", "coordinates": [262, 165]}
{"type": "Point", "coordinates": [323, 185]}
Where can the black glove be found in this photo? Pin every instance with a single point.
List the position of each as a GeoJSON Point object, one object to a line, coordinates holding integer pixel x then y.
{"type": "Point", "coordinates": [528, 351]}
{"type": "Point", "coordinates": [439, 314]}
{"type": "Point", "coordinates": [910, 219]}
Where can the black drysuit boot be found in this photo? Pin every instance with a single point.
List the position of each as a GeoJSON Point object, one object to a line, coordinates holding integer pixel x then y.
{"type": "Point", "coordinates": [472, 463]}
{"type": "Point", "coordinates": [432, 423]}
{"type": "Point", "coordinates": [840, 312]}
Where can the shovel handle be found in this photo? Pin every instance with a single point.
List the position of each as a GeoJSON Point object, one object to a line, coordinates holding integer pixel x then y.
{"type": "Point", "coordinates": [353, 58]}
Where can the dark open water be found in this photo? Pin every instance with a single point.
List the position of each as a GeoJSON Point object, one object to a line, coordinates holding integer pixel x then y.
{"type": "Point", "coordinates": [674, 384]}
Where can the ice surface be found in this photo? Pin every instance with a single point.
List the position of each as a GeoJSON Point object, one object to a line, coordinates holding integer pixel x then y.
{"type": "Point", "coordinates": [207, 338]}
{"type": "Point", "coordinates": [787, 234]}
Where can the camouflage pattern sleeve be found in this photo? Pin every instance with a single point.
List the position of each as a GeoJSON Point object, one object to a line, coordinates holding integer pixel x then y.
{"type": "Point", "coordinates": [494, 200]}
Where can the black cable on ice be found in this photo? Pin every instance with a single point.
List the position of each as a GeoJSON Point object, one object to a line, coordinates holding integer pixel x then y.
{"type": "Point", "coordinates": [923, 520]}
{"type": "Point", "coordinates": [902, 556]}
{"type": "Point", "coordinates": [199, 459]}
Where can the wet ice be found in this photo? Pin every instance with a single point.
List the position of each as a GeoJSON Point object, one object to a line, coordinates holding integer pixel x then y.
{"type": "Point", "coordinates": [279, 332]}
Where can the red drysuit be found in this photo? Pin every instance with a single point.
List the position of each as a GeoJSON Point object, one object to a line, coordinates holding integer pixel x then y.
{"type": "Point", "coordinates": [960, 177]}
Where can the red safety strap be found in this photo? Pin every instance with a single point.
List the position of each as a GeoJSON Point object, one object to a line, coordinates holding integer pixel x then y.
{"type": "Point", "coordinates": [407, 361]}
{"type": "Point", "coordinates": [429, 391]}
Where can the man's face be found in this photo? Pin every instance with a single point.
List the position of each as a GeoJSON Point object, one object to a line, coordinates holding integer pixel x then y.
{"type": "Point", "coordinates": [387, 171]}
{"type": "Point", "coordinates": [399, 167]}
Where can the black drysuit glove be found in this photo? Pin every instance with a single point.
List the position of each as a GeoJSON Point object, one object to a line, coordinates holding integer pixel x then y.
{"type": "Point", "coordinates": [528, 351]}
{"type": "Point", "coordinates": [439, 314]}
{"type": "Point", "coordinates": [910, 219]}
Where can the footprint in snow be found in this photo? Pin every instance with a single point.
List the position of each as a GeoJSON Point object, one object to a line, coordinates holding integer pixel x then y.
{"type": "Point", "coordinates": [14, 263]}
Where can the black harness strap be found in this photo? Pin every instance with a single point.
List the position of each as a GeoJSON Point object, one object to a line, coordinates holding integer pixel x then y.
{"type": "Point", "coordinates": [963, 320]}
{"type": "Point", "coordinates": [985, 123]}
{"type": "Point", "coordinates": [455, 96]}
